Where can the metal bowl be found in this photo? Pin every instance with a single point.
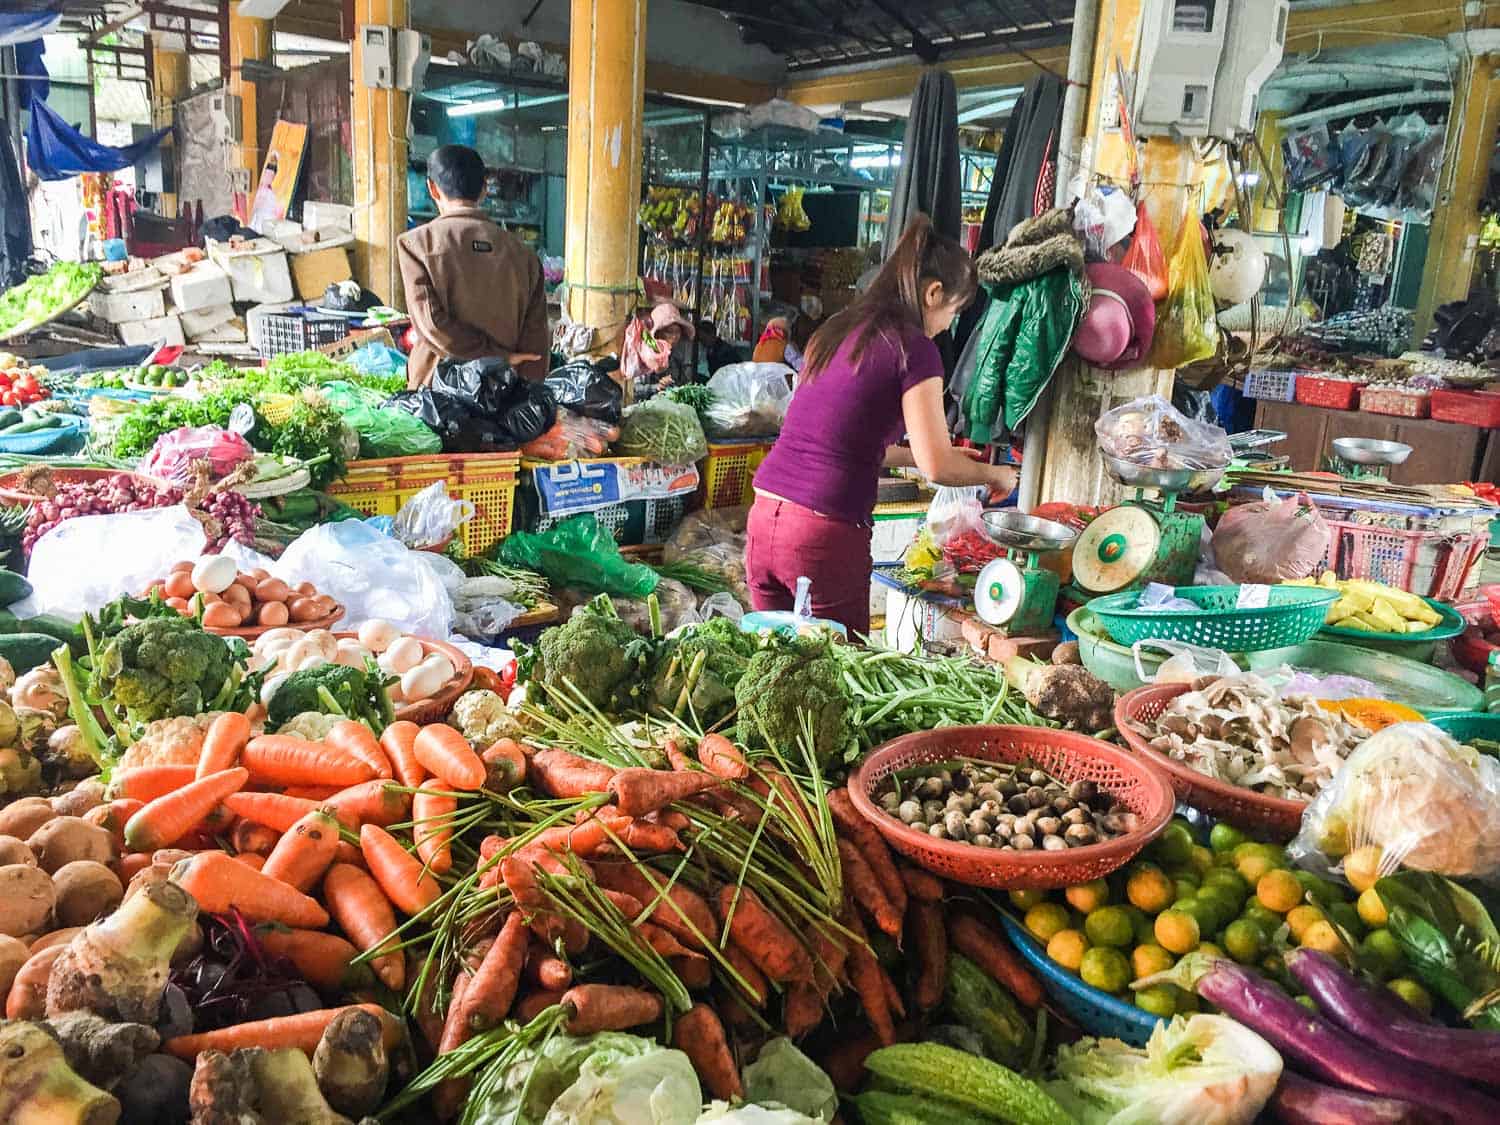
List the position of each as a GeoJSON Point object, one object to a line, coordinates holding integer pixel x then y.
{"type": "Point", "coordinates": [1370, 451]}
{"type": "Point", "coordinates": [1016, 529]}
{"type": "Point", "coordinates": [1168, 480]}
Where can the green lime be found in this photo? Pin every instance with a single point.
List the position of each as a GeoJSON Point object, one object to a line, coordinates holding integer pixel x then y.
{"type": "Point", "coordinates": [1110, 925]}
{"type": "Point", "coordinates": [1141, 923]}
{"type": "Point", "coordinates": [1045, 919]}
{"type": "Point", "coordinates": [1413, 993]}
{"type": "Point", "coordinates": [1322, 891]}
{"type": "Point", "coordinates": [1244, 940]}
{"type": "Point", "coordinates": [1267, 920]}
{"type": "Point", "coordinates": [1149, 888]}
{"type": "Point", "coordinates": [1203, 911]}
{"type": "Point", "coordinates": [1174, 847]}
{"type": "Point", "coordinates": [1228, 879]}
{"type": "Point", "coordinates": [1184, 887]}
{"type": "Point", "coordinates": [1148, 959]}
{"type": "Point", "coordinates": [1187, 1002]}
{"type": "Point", "coordinates": [1177, 930]}
{"type": "Point", "coordinates": [1380, 954]}
{"type": "Point", "coordinates": [1105, 969]}
{"type": "Point", "coordinates": [1087, 897]}
{"type": "Point", "coordinates": [1025, 900]}
{"type": "Point", "coordinates": [1225, 905]}
{"type": "Point", "coordinates": [1202, 860]}
{"type": "Point", "coordinates": [1159, 1000]}
{"type": "Point", "coordinates": [1225, 837]}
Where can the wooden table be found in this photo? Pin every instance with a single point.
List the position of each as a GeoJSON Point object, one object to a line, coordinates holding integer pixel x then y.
{"type": "Point", "coordinates": [1442, 452]}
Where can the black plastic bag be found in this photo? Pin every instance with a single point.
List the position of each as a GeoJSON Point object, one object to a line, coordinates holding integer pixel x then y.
{"type": "Point", "coordinates": [489, 385]}
{"type": "Point", "coordinates": [587, 388]}
{"type": "Point", "coordinates": [527, 415]}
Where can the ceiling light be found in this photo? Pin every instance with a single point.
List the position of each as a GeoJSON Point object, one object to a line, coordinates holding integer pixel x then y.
{"type": "Point", "coordinates": [502, 105]}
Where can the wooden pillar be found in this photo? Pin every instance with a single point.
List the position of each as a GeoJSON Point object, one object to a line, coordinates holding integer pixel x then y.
{"type": "Point", "coordinates": [606, 100]}
{"type": "Point", "coordinates": [379, 129]}
{"type": "Point", "coordinates": [249, 41]}
{"type": "Point", "coordinates": [170, 80]}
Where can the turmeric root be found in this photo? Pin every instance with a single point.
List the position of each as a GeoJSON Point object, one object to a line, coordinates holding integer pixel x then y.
{"type": "Point", "coordinates": [38, 1088]}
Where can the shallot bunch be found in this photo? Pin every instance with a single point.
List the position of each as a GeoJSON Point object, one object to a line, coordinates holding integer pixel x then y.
{"type": "Point", "coordinates": [106, 496]}
{"type": "Point", "coordinates": [235, 515]}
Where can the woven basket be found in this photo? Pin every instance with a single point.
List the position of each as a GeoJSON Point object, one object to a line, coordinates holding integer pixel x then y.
{"type": "Point", "coordinates": [1064, 755]}
{"type": "Point", "coordinates": [1292, 615]}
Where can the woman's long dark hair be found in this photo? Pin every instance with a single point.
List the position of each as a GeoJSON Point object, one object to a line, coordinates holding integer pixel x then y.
{"type": "Point", "coordinates": [893, 301]}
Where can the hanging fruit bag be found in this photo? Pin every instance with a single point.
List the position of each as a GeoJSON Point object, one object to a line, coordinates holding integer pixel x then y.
{"type": "Point", "coordinates": [1186, 328]}
{"type": "Point", "coordinates": [1145, 258]}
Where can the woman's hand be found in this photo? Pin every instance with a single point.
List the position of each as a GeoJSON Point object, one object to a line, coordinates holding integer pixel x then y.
{"type": "Point", "coordinates": [1003, 480]}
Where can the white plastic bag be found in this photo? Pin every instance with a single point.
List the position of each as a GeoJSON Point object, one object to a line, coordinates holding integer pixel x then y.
{"type": "Point", "coordinates": [1186, 662]}
{"type": "Point", "coordinates": [431, 516]}
{"type": "Point", "coordinates": [89, 561]}
{"type": "Point", "coordinates": [372, 575]}
{"type": "Point", "coordinates": [750, 400]}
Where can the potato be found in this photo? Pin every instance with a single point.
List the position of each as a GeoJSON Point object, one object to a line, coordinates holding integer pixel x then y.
{"type": "Point", "coordinates": [180, 605]}
{"type": "Point", "coordinates": [13, 954]}
{"type": "Point", "coordinates": [56, 937]}
{"type": "Point", "coordinates": [272, 590]}
{"type": "Point", "coordinates": [87, 794]}
{"type": "Point", "coordinates": [304, 609]}
{"type": "Point", "coordinates": [15, 851]}
{"type": "Point", "coordinates": [273, 613]}
{"type": "Point", "coordinates": [85, 890]}
{"type": "Point", "coordinates": [67, 838]}
{"type": "Point", "coordinates": [21, 818]}
{"type": "Point", "coordinates": [26, 899]}
{"type": "Point", "coordinates": [27, 999]}
{"type": "Point", "coordinates": [181, 568]}
{"type": "Point", "coordinates": [179, 585]}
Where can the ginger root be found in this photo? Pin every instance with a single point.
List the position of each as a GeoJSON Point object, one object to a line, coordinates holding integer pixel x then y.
{"type": "Point", "coordinates": [100, 1051]}
{"type": "Point", "coordinates": [38, 1088]}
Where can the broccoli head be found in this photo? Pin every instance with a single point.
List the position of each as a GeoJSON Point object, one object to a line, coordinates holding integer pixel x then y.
{"type": "Point", "coordinates": [167, 666]}
{"type": "Point", "coordinates": [333, 689]}
{"type": "Point", "coordinates": [699, 668]}
{"type": "Point", "coordinates": [598, 654]}
{"type": "Point", "coordinates": [784, 681]}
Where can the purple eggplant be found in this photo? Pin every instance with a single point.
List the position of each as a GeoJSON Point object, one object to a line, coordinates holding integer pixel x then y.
{"type": "Point", "coordinates": [1301, 1101]}
{"type": "Point", "coordinates": [1325, 1051]}
{"type": "Point", "coordinates": [1389, 1024]}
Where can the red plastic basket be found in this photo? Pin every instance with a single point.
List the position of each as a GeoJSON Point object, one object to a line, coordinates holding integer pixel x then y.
{"type": "Point", "coordinates": [8, 482]}
{"type": "Point", "coordinates": [1396, 401]}
{"type": "Point", "coordinates": [1335, 394]}
{"type": "Point", "coordinates": [1065, 755]}
{"type": "Point", "coordinates": [1430, 564]}
{"type": "Point", "coordinates": [1472, 408]}
{"type": "Point", "coordinates": [1244, 808]}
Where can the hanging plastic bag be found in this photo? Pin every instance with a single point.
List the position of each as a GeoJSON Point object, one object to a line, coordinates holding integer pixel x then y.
{"type": "Point", "coordinates": [750, 400]}
{"type": "Point", "coordinates": [1186, 325]}
{"type": "Point", "coordinates": [1145, 258]}
{"type": "Point", "coordinates": [1272, 540]}
{"type": "Point", "coordinates": [1150, 431]}
{"type": "Point", "coordinates": [578, 552]}
{"type": "Point", "coordinates": [955, 521]}
{"type": "Point", "coordinates": [431, 516]}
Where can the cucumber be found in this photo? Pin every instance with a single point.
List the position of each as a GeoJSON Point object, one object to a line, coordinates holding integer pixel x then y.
{"type": "Point", "coordinates": [9, 622]}
{"type": "Point", "coordinates": [45, 422]}
{"type": "Point", "coordinates": [68, 632]}
{"type": "Point", "coordinates": [13, 587]}
{"type": "Point", "coordinates": [26, 651]}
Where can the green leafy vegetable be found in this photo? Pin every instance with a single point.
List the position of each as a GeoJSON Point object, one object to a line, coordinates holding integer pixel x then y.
{"type": "Point", "coordinates": [1449, 939]}
{"type": "Point", "coordinates": [38, 299]}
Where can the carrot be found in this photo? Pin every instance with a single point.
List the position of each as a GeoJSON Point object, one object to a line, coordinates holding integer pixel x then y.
{"type": "Point", "coordinates": [132, 864]}
{"type": "Point", "coordinates": [251, 859]}
{"type": "Point", "coordinates": [432, 814]}
{"type": "Point", "coordinates": [371, 802]}
{"type": "Point", "coordinates": [643, 836]}
{"type": "Point", "coordinates": [670, 818]}
{"type": "Point", "coordinates": [446, 755]}
{"type": "Point", "coordinates": [535, 1003]}
{"type": "Point", "coordinates": [925, 920]}
{"type": "Point", "coordinates": [552, 928]}
{"type": "Point", "coordinates": [113, 816]}
{"type": "Point", "coordinates": [455, 1030]}
{"type": "Point", "coordinates": [640, 791]}
{"type": "Point", "coordinates": [871, 845]}
{"type": "Point", "coordinates": [363, 912]}
{"type": "Point", "coordinates": [680, 909]}
{"type": "Point", "coordinates": [356, 740]}
{"type": "Point", "coordinates": [275, 811]}
{"type": "Point", "coordinates": [397, 742]}
{"type": "Point", "coordinates": [583, 839]}
{"type": "Point", "coordinates": [660, 939]}
{"type": "Point", "coordinates": [317, 793]}
{"type": "Point", "coordinates": [845, 1063]}
{"type": "Point", "coordinates": [547, 970]}
{"type": "Point", "coordinates": [504, 765]}
{"type": "Point", "coordinates": [919, 884]}
{"type": "Point", "coordinates": [400, 874]}
{"type": "Point", "coordinates": [693, 969]}
{"type": "Point", "coordinates": [626, 904]}
{"type": "Point", "coordinates": [305, 851]}
{"type": "Point", "coordinates": [558, 773]}
{"type": "Point", "coordinates": [302, 1031]}
{"type": "Point", "coordinates": [866, 890]}
{"type": "Point", "coordinates": [869, 982]}
{"type": "Point", "coordinates": [803, 1010]}
{"type": "Point", "coordinates": [493, 987]}
{"type": "Point", "coordinates": [676, 758]}
{"type": "Point", "coordinates": [892, 994]}
{"type": "Point", "coordinates": [221, 885]}
{"type": "Point", "coordinates": [609, 1007]}
{"type": "Point", "coordinates": [283, 760]}
{"type": "Point", "coordinates": [755, 989]}
{"type": "Point", "coordinates": [993, 954]}
{"type": "Point", "coordinates": [27, 998]}
{"type": "Point", "coordinates": [164, 821]}
{"type": "Point", "coordinates": [699, 1035]}
{"type": "Point", "coordinates": [765, 938]}
{"type": "Point", "coordinates": [224, 743]}
{"type": "Point", "coordinates": [249, 838]}
{"type": "Point", "coordinates": [146, 783]}
{"type": "Point", "coordinates": [829, 955]}
{"type": "Point", "coordinates": [322, 959]}
{"type": "Point", "coordinates": [722, 757]}
{"type": "Point", "coordinates": [519, 874]}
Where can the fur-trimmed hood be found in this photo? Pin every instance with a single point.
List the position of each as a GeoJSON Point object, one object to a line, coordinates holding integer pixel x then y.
{"type": "Point", "coordinates": [1035, 247]}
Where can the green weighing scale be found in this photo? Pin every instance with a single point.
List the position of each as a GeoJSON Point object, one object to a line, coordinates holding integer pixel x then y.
{"type": "Point", "coordinates": [1143, 540]}
{"type": "Point", "coordinates": [1016, 591]}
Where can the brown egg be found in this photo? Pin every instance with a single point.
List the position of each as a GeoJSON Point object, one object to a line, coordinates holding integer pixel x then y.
{"type": "Point", "coordinates": [179, 584]}
{"type": "Point", "coordinates": [272, 590]}
{"type": "Point", "coordinates": [304, 609]}
{"type": "Point", "coordinates": [222, 616]}
{"type": "Point", "coordinates": [272, 613]}
{"type": "Point", "coordinates": [180, 605]}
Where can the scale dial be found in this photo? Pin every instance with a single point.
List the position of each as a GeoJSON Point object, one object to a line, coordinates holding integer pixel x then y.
{"type": "Point", "coordinates": [1116, 549]}
{"type": "Point", "coordinates": [998, 591]}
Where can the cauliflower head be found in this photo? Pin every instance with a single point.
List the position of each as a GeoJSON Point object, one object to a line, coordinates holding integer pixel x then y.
{"type": "Point", "coordinates": [311, 725]}
{"type": "Point", "coordinates": [169, 742]}
{"type": "Point", "coordinates": [165, 666]}
{"type": "Point", "coordinates": [482, 717]}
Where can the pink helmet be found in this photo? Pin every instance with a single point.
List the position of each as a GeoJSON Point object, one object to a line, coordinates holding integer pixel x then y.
{"type": "Point", "coordinates": [1116, 330]}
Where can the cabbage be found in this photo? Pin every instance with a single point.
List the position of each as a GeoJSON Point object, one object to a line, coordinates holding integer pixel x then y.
{"type": "Point", "coordinates": [783, 1076]}
{"type": "Point", "coordinates": [1206, 1070]}
{"type": "Point", "coordinates": [722, 1113]}
{"type": "Point", "coordinates": [635, 1083]}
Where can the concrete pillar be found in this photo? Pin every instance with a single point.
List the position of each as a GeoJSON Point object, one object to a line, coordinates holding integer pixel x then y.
{"type": "Point", "coordinates": [606, 91]}
{"type": "Point", "coordinates": [171, 80]}
{"type": "Point", "coordinates": [249, 41]}
{"type": "Point", "coordinates": [379, 126]}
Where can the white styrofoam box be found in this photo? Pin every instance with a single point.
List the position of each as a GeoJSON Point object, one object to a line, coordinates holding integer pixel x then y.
{"type": "Point", "coordinates": [163, 330]}
{"type": "Point", "coordinates": [258, 270]}
{"type": "Point", "coordinates": [278, 229]}
{"type": "Point", "coordinates": [123, 308]}
{"type": "Point", "coordinates": [202, 287]}
{"type": "Point", "coordinates": [230, 332]}
{"type": "Point", "coordinates": [327, 216]}
{"type": "Point", "coordinates": [892, 536]}
{"type": "Point", "coordinates": [147, 277]}
{"type": "Point", "coordinates": [200, 321]}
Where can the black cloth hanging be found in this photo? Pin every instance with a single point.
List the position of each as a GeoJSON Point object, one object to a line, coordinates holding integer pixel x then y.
{"type": "Point", "coordinates": [15, 216]}
{"type": "Point", "coordinates": [930, 180]}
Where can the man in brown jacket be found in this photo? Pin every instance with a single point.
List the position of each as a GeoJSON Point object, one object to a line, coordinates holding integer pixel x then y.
{"type": "Point", "coordinates": [472, 290]}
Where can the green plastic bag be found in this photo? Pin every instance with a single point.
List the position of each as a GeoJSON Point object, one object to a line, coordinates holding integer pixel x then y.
{"type": "Point", "coordinates": [383, 431]}
{"type": "Point", "coordinates": [578, 552]}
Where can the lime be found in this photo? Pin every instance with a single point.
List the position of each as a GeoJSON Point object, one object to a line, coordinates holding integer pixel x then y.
{"type": "Point", "coordinates": [1177, 930]}
{"type": "Point", "coordinates": [1322, 891]}
{"type": "Point", "coordinates": [1149, 889]}
{"type": "Point", "coordinates": [1225, 837]}
{"type": "Point", "coordinates": [1362, 866]}
{"type": "Point", "coordinates": [1413, 993]}
{"type": "Point", "coordinates": [1371, 908]}
{"type": "Point", "coordinates": [1245, 941]}
{"type": "Point", "coordinates": [1067, 948]}
{"type": "Point", "coordinates": [1141, 923]}
{"type": "Point", "coordinates": [1184, 886]}
{"type": "Point", "coordinates": [1229, 879]}
{"type": "Point", "coordinates": [1205, 912]}
{"type": "Point", "coordinates": [1088, 897]}
{"type": "Point", "coordinates": [1267, 920]}
{"type": "Point", "coordinates": [1105, 969]}
{"type": "Point", "coordinates": [1187, 1001]}
{"type": "Point", "coordinates": [1323, 937]}
{"type": "Point", "coordinates": [1148, 959]}
{"type": "Point", "coordinates": [1202, 859]}
{"type": "Point", "coordinates": [1278, 890]}
{"type": "Point", "coordinates": [1110, 925]}
{"type": "Point", "coordinates": [1159, 1000]}
{"type": "Point", "coordinates": [1380, 954]}
{"type": "Point", "coordinates": [1225, 906]}
{"type": "Point", "coordinates": [1253, 865]}
{"type": "Point", "coordinates": [1210, 949]}
{"type": "Point", "coordinates": [1025, 900]}
{"type": "Point", "coordinates": [1045, 919]}
{"type": "Point", "coordinates": [1175, 845]}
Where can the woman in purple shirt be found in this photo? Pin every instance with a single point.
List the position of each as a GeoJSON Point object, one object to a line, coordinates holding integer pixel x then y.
{"type": "Point", "coordinates": [871, 375]}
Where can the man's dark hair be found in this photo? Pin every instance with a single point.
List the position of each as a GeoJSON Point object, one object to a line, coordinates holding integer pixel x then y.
{"type": "Point", "coordinates": [458, 172]}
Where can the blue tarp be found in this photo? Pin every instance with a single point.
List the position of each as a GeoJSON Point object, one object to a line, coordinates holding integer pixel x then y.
{"type": "Point", "coordinates": [57, 151]}
{"type": "Point", "coordinates": [32, 85]}
{"type": "Point", "coordinates": [22, 27]}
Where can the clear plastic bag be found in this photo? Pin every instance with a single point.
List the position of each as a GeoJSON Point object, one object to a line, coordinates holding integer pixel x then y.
{"type": "Point", "coordinates": [578, 552]}
{"type": "Point", "coordinates": [1423, 800]}
{"type": "Point", "coordinates": [572, 437]}
{"type": "Point", "coordinates": [663, 431]}
{"type": "Point", "coordinates": [1151, 432]}
{"type": "Point", "coordinates": [1271, 540]}
{"type": "Point", "coordinates": [1186, 324]}
{"type": "Point", "coordinates": [1185, 664]}
{"type": "Point", "coordinates": [679, 606]}
{"type": "Point", "coordinates": [173, 455]}
{"type": "Point", "coordinates": [956, 525]}
{"type": "Point", "coordinates": [1145, 258]}
{"type": "Point", "coordinates": [371, 575]}
{"type": "Point", "coordinates": [750, 400]}
{"type": "Point", "coordinates": [431, 516]}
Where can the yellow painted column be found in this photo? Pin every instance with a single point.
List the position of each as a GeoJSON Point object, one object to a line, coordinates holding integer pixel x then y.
{"type": "Point", "coordinates": [249, 40]}
{"type": "Point", "coordinates": [1454, 236]}
{"type": "Point", "coordinates": [171, 78]}
{"type": "Point", "coordinates": [379, 129]}
{"type": "Point", "coordinates": [606, 92]}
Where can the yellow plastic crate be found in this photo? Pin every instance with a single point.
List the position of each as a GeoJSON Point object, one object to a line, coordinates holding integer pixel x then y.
{"type": "Point", "coordinates": [729, 473]}
{"type": "Point", "coordinates": [380, 486]}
